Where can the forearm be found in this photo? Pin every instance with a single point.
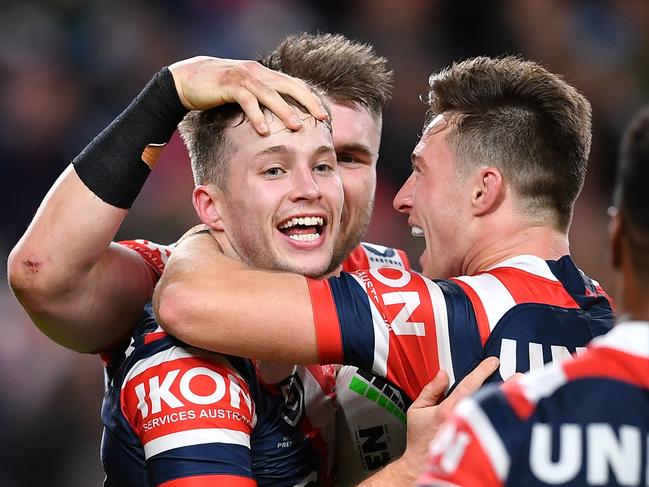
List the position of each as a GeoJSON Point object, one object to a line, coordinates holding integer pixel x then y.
{"type": "Point", "coordinates": [216, 303]}
{"type": "Point", "coordinates": [64, 270]}
{"type": "Point", "coordinates": [400, 472]}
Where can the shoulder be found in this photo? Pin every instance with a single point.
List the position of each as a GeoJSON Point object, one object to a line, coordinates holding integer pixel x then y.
{"type": "Point", "coordinates": [369, 255]}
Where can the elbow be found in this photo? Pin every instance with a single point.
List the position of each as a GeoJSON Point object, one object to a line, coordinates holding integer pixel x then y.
{"type": "Point", "coordinates": [24, 274]}
{"type": "Point", "coordinates": [171, 310]}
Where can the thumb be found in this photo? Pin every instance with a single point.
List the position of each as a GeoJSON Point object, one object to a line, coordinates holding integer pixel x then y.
{"type": "Point", "coordinates": [433, 392]}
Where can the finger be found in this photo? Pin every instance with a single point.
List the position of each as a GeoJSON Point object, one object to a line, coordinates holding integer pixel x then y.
{"type": "Point", "coordinates": [475, 379]}
{"type": "Point", "coordinates": [515, 377]}
{"type": "Point", "coordinates": [250, 105]}
{"type": "Point", "coordinates": [432, 392]}
{"type": "Point", "coordinates": [272, 100]}
{"type": "Point", "coordinates": [298, 90]}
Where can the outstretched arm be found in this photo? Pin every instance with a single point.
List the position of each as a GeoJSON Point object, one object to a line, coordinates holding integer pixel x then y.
{"type": "Point", "coordinates": [80, 289]}
{"type": "Point", "coordinates": [211, 301]}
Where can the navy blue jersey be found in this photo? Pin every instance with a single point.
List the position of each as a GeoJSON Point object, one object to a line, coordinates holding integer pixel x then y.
{"type": "Point", "coordinates": [579, 422]}
{"type": "Point", "coordinates": [176, 415]}
{"type": "Point", "coordinates": [402, 326]}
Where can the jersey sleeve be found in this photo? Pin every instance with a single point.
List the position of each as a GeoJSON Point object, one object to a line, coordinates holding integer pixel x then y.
{"type": "Point", "coordinates": [369, 256]}
{"type": "Point", "coordinates": [393, 322]}
{"type": "Point", "coordinates": [154, 255]}
{"type": "Point", "coordinates": [193, 418]}
{"type": "Point", "coordinates": [466, 452]}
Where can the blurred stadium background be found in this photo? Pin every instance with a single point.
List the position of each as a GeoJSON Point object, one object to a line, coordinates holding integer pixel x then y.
{"type": "Point", "coordinates": [67, 67]}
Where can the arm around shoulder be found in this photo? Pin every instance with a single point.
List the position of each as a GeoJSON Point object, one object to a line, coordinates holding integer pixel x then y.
{"type": "Point", "coordinates": [213, 302]}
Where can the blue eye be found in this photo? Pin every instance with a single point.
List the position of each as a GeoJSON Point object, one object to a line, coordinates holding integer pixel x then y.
{"type": "Point", "coordinates": [273, 171]}
{"type": "Point", "coordinates": [323, 167]}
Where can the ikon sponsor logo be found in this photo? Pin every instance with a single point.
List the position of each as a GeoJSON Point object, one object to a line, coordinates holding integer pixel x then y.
{"type": "Point", "coordinates": [178, 388]}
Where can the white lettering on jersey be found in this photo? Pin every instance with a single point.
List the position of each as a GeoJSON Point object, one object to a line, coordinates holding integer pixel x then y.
{"type": "Point", "coordinates": [161, 392]}
{"type": "Point", "coordinates": [215, 396]}
{"type": "Point", "coordinates": [400, 324]}
{"type": "Point", "coordinates": [606, 453]}
{"type": "Point", "coordinates": [410, 299]}
{"type": "Point", "coordinates": [606, 450]}
{"type": "Point", "coordinates": [400, 281]}
{"type": "Point", "coordinates": [570, 455]}
{"type": "Point", "coordinates": [508, 356]}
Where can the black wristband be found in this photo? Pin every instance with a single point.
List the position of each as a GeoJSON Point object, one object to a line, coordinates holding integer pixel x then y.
{"type": "Point", "coordinates": [111, 165]}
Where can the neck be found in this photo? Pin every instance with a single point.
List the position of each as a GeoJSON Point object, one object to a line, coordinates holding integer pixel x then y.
{"type": "Point", "coordinates": [541, 241]}
{"type": "Point", "coordinates": [634, 297]}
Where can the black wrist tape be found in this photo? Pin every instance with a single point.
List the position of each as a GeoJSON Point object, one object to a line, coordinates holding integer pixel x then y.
{"type": "Point", "coordinates": [111, 165]}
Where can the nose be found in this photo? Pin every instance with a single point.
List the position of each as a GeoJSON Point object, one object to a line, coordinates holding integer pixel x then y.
{"type": "Point", "coordinates": [304, 186]}
{"type": "Point", "coordinates": [403, 200]}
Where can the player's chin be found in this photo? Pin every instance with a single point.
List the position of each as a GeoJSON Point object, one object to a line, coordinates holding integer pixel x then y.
{"type": "Point", "coordinates": [308, 263]}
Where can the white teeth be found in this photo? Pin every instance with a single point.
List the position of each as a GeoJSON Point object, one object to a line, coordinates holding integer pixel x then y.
{"type": "Point", "coordinates": [307, 237]}
{"type": "Point", "coordinates": [417, 232]}
{"type": "Point", "coordinates": [310, 221]}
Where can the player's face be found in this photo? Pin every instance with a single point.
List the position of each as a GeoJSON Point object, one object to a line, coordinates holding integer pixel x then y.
{"type": "Point", "coordinates": [284, 197]}
{"type": "Point", "coordinates": [432, 199]}
{"type": "Point", "coordinates": [357, 136]}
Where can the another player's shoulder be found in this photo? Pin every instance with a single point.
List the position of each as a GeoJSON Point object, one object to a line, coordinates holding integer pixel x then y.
{"type": "Point", "coordinates": [368, 255]}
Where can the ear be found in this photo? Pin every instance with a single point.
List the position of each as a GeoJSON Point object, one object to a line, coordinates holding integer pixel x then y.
{"type": "Point", "coordinates": [615, 237]}
{"type": "Point", "coordinates": [207, 203]}
{"type": "Point", "coordinates": [487, 191]}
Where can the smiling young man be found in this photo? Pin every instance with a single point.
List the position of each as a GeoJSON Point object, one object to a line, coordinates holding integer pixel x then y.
{"type": "Point", "coordinates": [177, 416]}
{"type": "Point", "coordinates": [582, 422]}
{"type": "Point", "coordinates": [86, 293]}
{"type": "Point", "coordinates": [495, 177]}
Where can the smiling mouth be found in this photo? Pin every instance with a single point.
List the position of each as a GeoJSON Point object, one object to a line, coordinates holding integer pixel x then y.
{"type": "Point", "coordinates": [417, 231]}
{"type": "Point", "coordinates": [303, 228]}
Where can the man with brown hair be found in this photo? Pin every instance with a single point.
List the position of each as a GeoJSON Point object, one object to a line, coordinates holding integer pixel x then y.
{"type": "Point", "coordinates": [494, 211]}
{"type": "Point", "coordinates": [580, 422]}
{"type": "Point", "coordinates": [87, 293]}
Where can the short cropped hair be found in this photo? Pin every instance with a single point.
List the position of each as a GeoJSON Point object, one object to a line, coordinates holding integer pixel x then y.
{"type": "Point", "coordinates": [348, 71]}
{"type": "Point", "coordinates": [210, 148]}
{"type": "Point", "coordinates": [515, 115]}
{"type": "Point", "coordinates": [631, 195]}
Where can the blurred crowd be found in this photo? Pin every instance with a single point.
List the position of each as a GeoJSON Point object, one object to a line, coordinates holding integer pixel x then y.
{"type": "Point", "coordinates": [68, 67]}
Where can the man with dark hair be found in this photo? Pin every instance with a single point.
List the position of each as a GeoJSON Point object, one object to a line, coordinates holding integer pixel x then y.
{"type": "Point", "coordinates": [581, 422]}
{"type": "Point", "coordinates": [490, 212]}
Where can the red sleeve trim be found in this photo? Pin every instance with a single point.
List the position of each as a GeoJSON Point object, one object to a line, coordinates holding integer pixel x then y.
{"type": "Point", "coordinates": [210, 481]}
{"type": "Point", "coordinates": [478, 308]}
{"type": "Point", "coordinates": [325, 321]}
{"type": "Point", "coordinates": [404, 259]}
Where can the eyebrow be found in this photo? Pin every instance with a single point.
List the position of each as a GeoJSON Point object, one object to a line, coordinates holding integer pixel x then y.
{"type": "Point", "coordinates": [414, 158]}
{"type": "Point", "coordinates": [284, 150]}
{"type": "Point", "coordinates": [355, 148]}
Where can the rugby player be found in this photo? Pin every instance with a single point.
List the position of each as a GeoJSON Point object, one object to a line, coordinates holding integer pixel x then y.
{"type": "Point", "coordinates": [581, 422]}
{"type": "Point", "coordinates": [495, 176]}
{"type": "Point", "coordinates": [87, 293]}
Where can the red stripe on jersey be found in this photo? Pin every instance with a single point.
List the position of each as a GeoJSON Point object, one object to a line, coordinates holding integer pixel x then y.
{"type": "Point", "coordinates": [404, 258]}
{"type": "Point", "coordinates": [210, 481]}
{"type": "Point", "coordinates": [155, 255]}
{"type": "Point", "coordinates": [153, 336]}
{"type": "Point", "coordinates": [186, 394]}
{"type": "Point", "coordinates": [356, 260]}
{"type": "Point", "coordinates": [478, 308]}
{"type": "Point", "coordinates": [604, 362]}
{"type": "Point", "coordinates": [531, 288]}
{"type": "Point", "coordinates": [404, 302]}
{"type": "Point", "coordinates": [457, 456]}
{"type": "Point", "coordinates": [517, 400]}
{"type": "Point", "coordinates": [325, 320]}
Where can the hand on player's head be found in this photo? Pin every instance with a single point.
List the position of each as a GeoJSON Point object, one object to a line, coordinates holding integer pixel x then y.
{"type": "Point", "coordinates": [205, 82]}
